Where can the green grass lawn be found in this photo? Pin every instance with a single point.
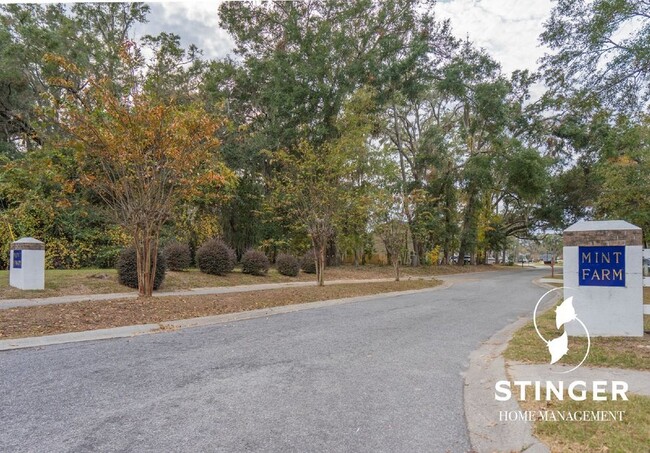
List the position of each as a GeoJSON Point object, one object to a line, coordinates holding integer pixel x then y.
{"type": "Point", "coordinates": [632, 434]}
{"type": "Point", "coordinates": [102, 281]}
{"type": "Point", "coordinates": [619, 352]}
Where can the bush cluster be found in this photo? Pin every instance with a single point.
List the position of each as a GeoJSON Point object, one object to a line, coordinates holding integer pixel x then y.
{"type": "Point", "coordinates": [254, 262]}
{"type": "Point", "coordinates": [127, 270]}
{"type": "Point", "coordinates": [309, 262]}
{"type": "Point", "coordinates": [215, 257]}
{"type": "Point", "coordinates": [287, 265]}
{"type": "Point", "coordinates": [177, 256]}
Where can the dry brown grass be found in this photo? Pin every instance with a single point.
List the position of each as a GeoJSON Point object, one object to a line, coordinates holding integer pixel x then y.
{"type": "Point", "coordinates": [632, 434]}
{"type": "Point", "coordinates": [102, 281]}
{"type": "Point", "coordinates": [80, 316]}
{"type": "Point", "coordinates": [621, 352]}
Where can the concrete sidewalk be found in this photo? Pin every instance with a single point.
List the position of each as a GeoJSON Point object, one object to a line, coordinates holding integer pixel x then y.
{"type": "Point", "coordinates": [638, 381]}
{"type": "Point", "coordinates": [35, 302]}
{"type": "Point", "coordinates": [38, 301]}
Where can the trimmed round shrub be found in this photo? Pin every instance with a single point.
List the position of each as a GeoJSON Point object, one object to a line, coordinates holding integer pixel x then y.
{"type": "Point", "coordinates": [177, 256]}
{"type": "Point", "coordinates": [308, 264]}
{"type": "Point", "coordinates": [215, 257]}
{"type": "Point", "coordinates": [127, 270]}
{"type": "Point", "coordinates": [254, 262]}
{"type": "Point", "coordinates": [287, 265]}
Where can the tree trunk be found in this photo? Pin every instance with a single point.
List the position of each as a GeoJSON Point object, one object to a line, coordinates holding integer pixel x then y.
{"type": "Point", "coordinates": [468, 233]}
{"type": "Point", "coordinates": [396, 267]}
{"type": "Point", "coordinates": [331, 252]}
{"type": "Point", "coordinates": [146, 247]}
{"type": "Point", "coordinates": [320, 265]}
{"type": "Point", "coordinates": [552, 266]}
{"type": "Point", "coordinates": [417, 250]}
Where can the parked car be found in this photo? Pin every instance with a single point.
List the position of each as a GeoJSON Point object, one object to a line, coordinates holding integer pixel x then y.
{"type": "Point", "coordinates": [546, 258]}
{"type": "Point", "coordinates": [467, 260]}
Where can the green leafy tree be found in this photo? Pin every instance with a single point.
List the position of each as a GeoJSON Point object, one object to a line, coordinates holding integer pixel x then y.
{"type": "Point", "coordinates": [600, 49]}
{"type": "Point", "coordinates": [308, 190]}
{"type": "Point", "coordinates": [625, 192]}
{"type": "Point", "coordinates": [89, 35]}
{"type": "Point", "coordinates": [393, 234]}
{"type": "Point", "coordinates": [297, 64]}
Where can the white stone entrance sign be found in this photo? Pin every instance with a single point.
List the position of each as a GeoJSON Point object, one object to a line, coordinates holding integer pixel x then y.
{"type": "Point", "coordinates": [603, 272]}
{"type": "Point", "coordinates": [27, 264]}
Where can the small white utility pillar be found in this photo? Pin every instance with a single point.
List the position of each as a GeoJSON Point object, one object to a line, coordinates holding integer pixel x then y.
{"type": "Point", "coordinates": [27, 264]}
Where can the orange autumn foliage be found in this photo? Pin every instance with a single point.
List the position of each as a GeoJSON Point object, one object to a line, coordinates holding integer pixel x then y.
{"type": "Point", "coordinates": [140, 153]}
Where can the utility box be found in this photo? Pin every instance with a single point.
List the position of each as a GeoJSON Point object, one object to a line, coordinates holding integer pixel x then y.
{"type": "Point", "coordinates": [27, 264]}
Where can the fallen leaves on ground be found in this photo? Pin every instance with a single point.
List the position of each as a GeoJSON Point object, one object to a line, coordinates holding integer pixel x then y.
{"type": "Point", "coordinates": [80, 316]}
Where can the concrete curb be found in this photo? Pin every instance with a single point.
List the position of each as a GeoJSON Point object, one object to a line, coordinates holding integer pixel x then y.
{"type": "Point", "coordinates": [130, 331]}
{"type": "Point", "coordinates": [486, 367]}
{"type": "Point", "coordinates": [75, 337]}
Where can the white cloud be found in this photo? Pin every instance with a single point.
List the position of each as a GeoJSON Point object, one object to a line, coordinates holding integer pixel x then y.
{"type": "Point", "coordinates": [507, 29]}
{"type": "Point", "coordinates": [195, 22]}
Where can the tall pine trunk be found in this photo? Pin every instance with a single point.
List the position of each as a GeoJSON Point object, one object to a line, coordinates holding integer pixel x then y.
{"type": "Point", "coordinates": [468, 233]}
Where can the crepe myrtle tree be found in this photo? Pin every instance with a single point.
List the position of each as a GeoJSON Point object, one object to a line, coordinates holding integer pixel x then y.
{"type": "Point", "coordinates": [141, 153]}
{"type": "Point", "coordinates": [307, 190]}
{"type": "Point", "coordinates": [394, 235]}
{"type": "Point", "coordinates": [389, 222]}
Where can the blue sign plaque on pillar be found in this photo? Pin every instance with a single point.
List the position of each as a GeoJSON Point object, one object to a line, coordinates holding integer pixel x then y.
{"type": "Point", "coordinates": [18, 259]}
{"type": "Point", "coordinates": [601, 265]}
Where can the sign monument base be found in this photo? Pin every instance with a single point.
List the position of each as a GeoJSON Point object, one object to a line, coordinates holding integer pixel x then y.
{"type": "Point", "coordinates": [603, 273]}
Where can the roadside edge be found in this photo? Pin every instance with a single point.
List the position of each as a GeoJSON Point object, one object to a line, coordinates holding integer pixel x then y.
{"type": "Point", "coordinates": [486, 367]}
{"type": "Point", "coordinates": [166, 326]}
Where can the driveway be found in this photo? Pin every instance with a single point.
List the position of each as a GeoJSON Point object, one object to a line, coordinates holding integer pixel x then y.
{"type": "Point", "coordinates": [376, 376]}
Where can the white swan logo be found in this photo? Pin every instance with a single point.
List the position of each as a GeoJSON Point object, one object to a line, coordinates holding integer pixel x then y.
{"type": "Point", "coordinates": [564, 313]}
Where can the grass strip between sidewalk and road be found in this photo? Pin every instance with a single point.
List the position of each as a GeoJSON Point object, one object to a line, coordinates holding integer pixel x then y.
{"type": "Point", "coordinates": [631, 434]}
{"type": "Point", "coordinates": [81, 316]}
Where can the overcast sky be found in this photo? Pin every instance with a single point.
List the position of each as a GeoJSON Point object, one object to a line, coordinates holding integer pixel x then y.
{"type": "Point", "coordinates": [507, 29]}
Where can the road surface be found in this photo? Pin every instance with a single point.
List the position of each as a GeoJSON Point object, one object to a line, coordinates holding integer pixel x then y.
{"type": "Point", "coordinates": [375, 376]}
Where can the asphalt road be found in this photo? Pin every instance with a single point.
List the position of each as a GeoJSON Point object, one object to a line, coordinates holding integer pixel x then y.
{"type": "Point", "coordinates": [375, 376]}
